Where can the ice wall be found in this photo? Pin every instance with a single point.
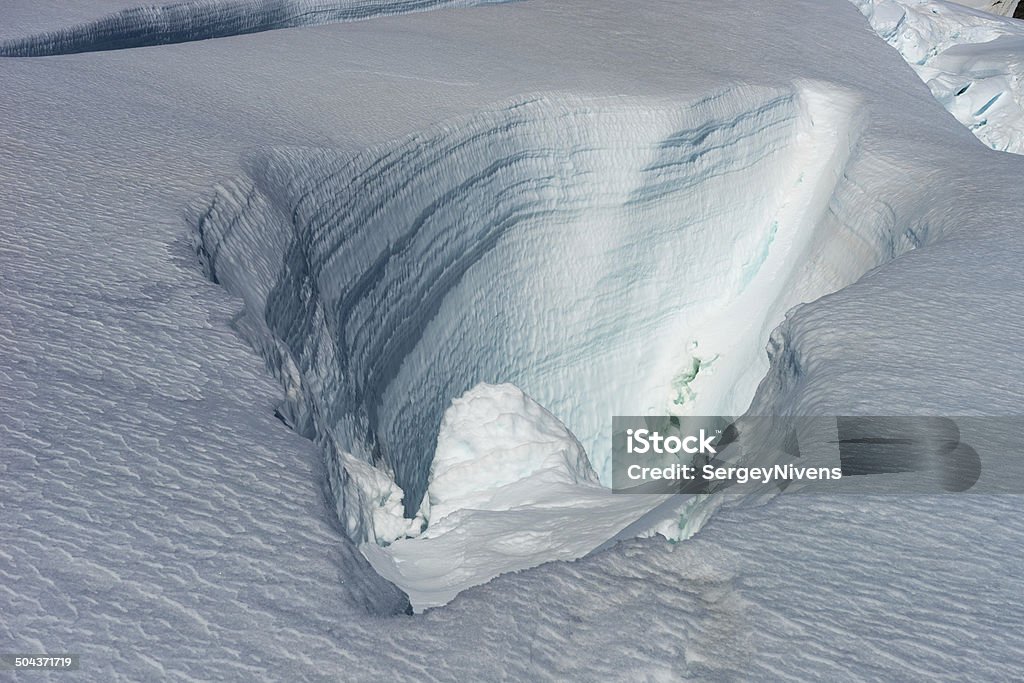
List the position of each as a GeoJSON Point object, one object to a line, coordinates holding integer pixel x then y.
{"type": "Point", "coordinates": [608, 256]}
{"type": "Point", "coordinates": [203, 19]}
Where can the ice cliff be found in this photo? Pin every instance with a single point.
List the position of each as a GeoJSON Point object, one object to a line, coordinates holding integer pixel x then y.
{"type": "Point", "coordinates": [604, 255]}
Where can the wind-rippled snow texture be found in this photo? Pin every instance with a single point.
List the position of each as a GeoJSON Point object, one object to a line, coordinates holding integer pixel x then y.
{"type": "Point", "coordinates": [158, 522]}
{"type": "Point", "coordinates": [972, 61]}
{"type": "Point", "coordinates": [204, 19]}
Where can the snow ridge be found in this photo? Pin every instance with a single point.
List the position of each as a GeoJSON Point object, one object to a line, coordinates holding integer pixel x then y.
{"type": "Point", "coordinates": [205, 19]}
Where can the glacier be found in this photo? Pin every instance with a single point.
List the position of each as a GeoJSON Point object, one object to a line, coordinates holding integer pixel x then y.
{"type": "Point", "coordinates": [158, 520]}
{"type": "Point", "coordinates": [181, 22]}
{"type": "Point", "coordinates": [1006, 8]}
{"type": "Point", "coordinates": [972, 61]}
{"type": "Point", "coordinates": [537, 244]}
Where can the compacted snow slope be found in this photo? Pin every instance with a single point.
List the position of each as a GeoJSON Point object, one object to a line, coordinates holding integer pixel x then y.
{"type": "Point", "coordinates": [160, 522]}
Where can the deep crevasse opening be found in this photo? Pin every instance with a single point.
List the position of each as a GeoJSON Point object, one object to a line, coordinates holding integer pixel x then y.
{"type": "Point", "coordinates": [604, 255]}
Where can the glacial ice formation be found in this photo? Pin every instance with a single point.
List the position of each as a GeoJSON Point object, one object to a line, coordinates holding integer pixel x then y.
{"type": "Point", "coordinates": [604, 255]}
{"type": "Point", "coordinates": [203, 19]}
{"type": "Point", "coordinates": [1006, 8]}
{"type": "Point", "coordinates": [972, 61]}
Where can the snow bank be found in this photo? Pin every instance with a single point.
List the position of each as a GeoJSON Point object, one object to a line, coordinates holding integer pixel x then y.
{"type": "Point", "coordinates": [493, 440]}
{"type": "Point", "coordinates": [510, 488]}
{"type": "Point", "coordinates": [973, 62]}
{"type": "Point", "coordinates": [204, 19]}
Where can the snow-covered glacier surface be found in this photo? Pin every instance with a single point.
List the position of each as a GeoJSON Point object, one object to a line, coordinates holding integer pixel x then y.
{"type": "Point", "coordinates": [972, 61]}
{"type": "Point", "coordinates": [148, 25]}
{"type": "Point", "coordinates": [157, 519]}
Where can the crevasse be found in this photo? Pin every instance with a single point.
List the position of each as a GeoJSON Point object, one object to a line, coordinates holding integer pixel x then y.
{"type": "Point", "coordinates": [605, 255]}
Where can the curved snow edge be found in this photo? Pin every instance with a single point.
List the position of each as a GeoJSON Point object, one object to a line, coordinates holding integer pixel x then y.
{"type": "Point", "coordinates": [205, 19]}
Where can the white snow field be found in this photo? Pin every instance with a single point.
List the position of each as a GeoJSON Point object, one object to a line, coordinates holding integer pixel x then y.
{"type": "Point", "coordinates": [143, 26]}
{"type": "Point", "coordinates": [972, 61]}
{"type": "Point", "coordinates": [555, 198]}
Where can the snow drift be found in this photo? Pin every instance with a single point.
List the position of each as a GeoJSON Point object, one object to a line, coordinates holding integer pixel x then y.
{"type": "Point", "coordinates": [492, 439]}
{"type": "Point", "coordinates": [510, 488]}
